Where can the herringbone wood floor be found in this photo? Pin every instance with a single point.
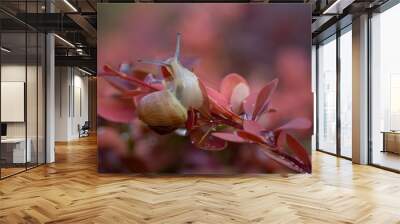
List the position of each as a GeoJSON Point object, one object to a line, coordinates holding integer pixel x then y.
{"type": "Point", "coordinates": [71, 191]}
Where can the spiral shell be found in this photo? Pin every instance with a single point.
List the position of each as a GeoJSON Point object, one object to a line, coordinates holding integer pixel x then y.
{"type": "Point", "coordinates": [167, 109]}
{"type": "Point", "coordinates": [162, 108]}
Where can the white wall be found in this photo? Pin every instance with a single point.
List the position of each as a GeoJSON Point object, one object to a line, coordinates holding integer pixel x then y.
{"type": "Point", "coordinates": [71, 94]}
{"type": "Point", "coordinates": [61, 103]}
{"type": "Point", "coordinates": [16, 73]}
{"type": "Point", "coordinates": [13, 73]}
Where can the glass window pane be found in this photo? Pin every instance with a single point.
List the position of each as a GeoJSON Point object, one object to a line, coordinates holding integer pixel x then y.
{"type": "Point", "coordinates": [31, 97]}
{"type": "Point", "coordinates": [346, 94]}
{"type": "Point", "coordinates": [14, 153]}
{"type": "Point", "coordinates": [327, 96]}
{"type": "Point", "coordinates": [23, 89]}
{"type": "Point", "coordinates": [385, 95]}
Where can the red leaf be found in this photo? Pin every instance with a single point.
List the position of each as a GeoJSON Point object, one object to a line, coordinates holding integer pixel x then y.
{"type": "Point", "coordinates": [264, 97]}
{"type": "Point", "coordinates": [261, 100]}
{"type": "Point", "coordinates": [249, 104]}
{"type": "Point", "coordinates": [132, 79]}
{"type": "Point", "coordinates": [279, 156]}
{"type": "Point", "coordinates": [252, 127]}
{"type": "Point", "coordinates": [202, 138]}
{"type": "Point", "coordinates": [280, 137]}
{"type": "Point", "coordinates": [239, 93]}
{"type": "Point", "coordinates": [191, 120]}
{"type": "Point", "coordinates": [135, 92]}
{"type": "Point", "coordinates": [166, 72]}
{"type": "Point", "coordinates": [230, 137]}
{"type": "Point", "coordinates": [299, 151]}
{"type": "Point", "coordinates": [220, 106]}
{"type": "Point", "coordinates": [229, 83]}
{"type": "Point", "coordinates": [226, 113]}
{"type": "Point", "coordinates": [205, 108]}
{"type": "Point", "coordinates": [283, 159]}
{"type": "Point", "coordinates": [217, 97]}
{"type": "Point", "coordinates": [252, 138]}
{"type": "Point", "coordinates": [117, 86]}
{"type": "Point", "coordinates": [111, 106]}
{"type": "Point", "coordinates": [295, 124]}
{"type": "Point", "coordinates": [140, 74]}
{"type": "Point", "coordinates": [116, 109]}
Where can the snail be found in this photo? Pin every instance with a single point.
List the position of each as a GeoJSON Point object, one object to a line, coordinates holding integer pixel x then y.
{"type": "Point", "coordinates": [166, 110]}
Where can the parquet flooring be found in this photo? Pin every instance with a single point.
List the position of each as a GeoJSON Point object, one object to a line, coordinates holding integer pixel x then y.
{"type": "Point", "coordinates": [71, 191]}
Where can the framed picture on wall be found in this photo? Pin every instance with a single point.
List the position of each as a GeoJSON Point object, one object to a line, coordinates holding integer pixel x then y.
{"type": "Point", "coordinates": [204, 88]}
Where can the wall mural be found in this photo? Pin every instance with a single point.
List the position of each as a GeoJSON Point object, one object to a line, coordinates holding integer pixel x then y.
{"type": "Point", "coordinates": [204, 88]}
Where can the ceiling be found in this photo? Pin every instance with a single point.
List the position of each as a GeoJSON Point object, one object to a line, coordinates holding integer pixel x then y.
{"type": "Point", "coordinates": [76, 22]}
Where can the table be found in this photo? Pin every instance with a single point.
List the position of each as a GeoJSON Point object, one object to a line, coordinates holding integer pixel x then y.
{"type": "Point", "coordinates": [13, 150]}
{"type": "Point", "coordinates": [391, 141]}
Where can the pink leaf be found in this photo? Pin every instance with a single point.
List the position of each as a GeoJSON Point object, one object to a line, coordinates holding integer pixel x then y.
{"type": "Point", "coordinates": [284, 159]}
{"type": "Point", "coordinates": [252, 138]}
{"type": "Point", "coordinates": [230, 137]}
{"type": "Point", "coordinates": [191, 120]}
{"type": "Point", "coordinates": [249, 104]}
{"type": "Point", "coordinates": [140, 74]}
{"type": "Point", "coordinates": [279, 156]}
{"type": "Point", "coordinates": [295, 124]}
{"type": "Point", "coordinates": [205, 108]}
{"type": "Point", "coordinates": [257, 103]}
{"type": "Point", "coordinates": [114, 84]}
{"type": "Point", "coordinates": [264, 97]}
{"type": "Point", "coordinates": [220, 106]}
{"type": "Point", "coordinates": [299, 151]}
{"type": "Point", "coordinates": [217, 97]}
{"type": "Point", "coordinates": [239, 93]}
{"type": "Point", "coordinates": [202, 138]}
{"type": "Point", "coordinates": [225, 113]}
{"type": "Point", "coordinates": [116, 109]}
{"type": "Point", "coordinates": [252, 127]}
{"type": "Point", "coordinates": [111, 106]}
{"type": "Point", "coordinates": [131, 79]}
{"type": "Point", "coordinates": [229, 83]}
{"type": "Point", "coordinates": [135, 92]}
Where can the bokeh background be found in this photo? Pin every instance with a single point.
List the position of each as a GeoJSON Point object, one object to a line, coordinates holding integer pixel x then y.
{"type": "Point", "coordinates": [258, 41]}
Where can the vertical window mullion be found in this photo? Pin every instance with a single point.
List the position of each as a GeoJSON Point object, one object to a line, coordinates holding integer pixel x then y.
{"type": "Point", "coordinates": [37, 89]}
{"type": "Point", "coordinates": [317, 96]}
{"type": "Point", "coordinates": [338, 80]}
{"type": "Point", "coordinates": [26, 86]}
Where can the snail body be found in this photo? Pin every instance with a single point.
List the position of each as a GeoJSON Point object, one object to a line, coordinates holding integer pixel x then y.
{"type": "Point", "coordinates": [168, 107]}
{"type": "Point", "coordinates": [185, 85]}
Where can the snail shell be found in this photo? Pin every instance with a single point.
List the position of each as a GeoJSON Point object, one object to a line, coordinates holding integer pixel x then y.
{"type": "Point", "coordinates": [161, 108]}
{"type": "Point", "coordinates": [167, 109]}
